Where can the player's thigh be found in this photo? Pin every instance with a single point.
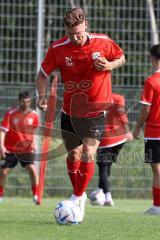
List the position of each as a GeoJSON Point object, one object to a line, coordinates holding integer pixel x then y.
{"type": "Point", "coordinates": [109, 154]}
{"type": "Point", "coordinates": [89, 128]}
{"type": "Point", "coordinates": [104, 156]}
{"type": "Point", "coordinates": [70, 138]}
{"type": "Point", "coordinates": [152, 151]}
{"type": "Point", "coordinates": [116, 150]}
{"type": "Point", "coordinates": [4, 172]}
{"type": "Point", "coordinates": [10, 161]}
{"type": "Point", "coordinates": [90, 145]}
{"type": "Point", "coordinates": [26, 159]}
{"type": "Point", "coordinates": [156, 169]}
{"type": "Point", "coordinates": [31, 168]}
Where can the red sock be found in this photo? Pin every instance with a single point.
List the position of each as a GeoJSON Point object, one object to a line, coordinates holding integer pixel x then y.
{"type": "Point", "coordinates": [35, 189]}
{"type": "Point", "coordinates": [72, 168]}
{"type": "Point", "coordinates": [1, 191]}
{"type": "Point", "coordinates": [156, 196]}
{"type": "Point", "coordinates": [84, 176]}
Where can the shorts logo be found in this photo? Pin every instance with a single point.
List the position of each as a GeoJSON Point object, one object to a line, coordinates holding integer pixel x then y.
{"type": "Point", "coordinates": [69, 62]}
{"type": "Point", "coordinates": [97, 132]}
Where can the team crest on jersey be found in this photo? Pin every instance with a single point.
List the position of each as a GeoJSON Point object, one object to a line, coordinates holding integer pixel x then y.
{"type": "Point", "coordinates": [30, 121]}
{"type": "Point", "coordinates": [16, 121]}
{"type": "Point", "coordinates": [95, 55]}
{"type": "Point", "coordinates": [69, 61]}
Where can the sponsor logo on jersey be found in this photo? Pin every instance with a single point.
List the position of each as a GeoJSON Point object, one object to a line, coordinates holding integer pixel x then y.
{"type": "Point", "coordinates": [69, 62]}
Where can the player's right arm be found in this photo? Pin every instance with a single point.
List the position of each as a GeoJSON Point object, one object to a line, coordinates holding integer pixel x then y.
{"type": "Point", "coordinates": [48, 65]}
{"type": "Point", "coordinates": [41, 88]}
{"type": "Point", "coordinates": [2, 146]}
{"type": "Point", "coordinates": [4, 128]}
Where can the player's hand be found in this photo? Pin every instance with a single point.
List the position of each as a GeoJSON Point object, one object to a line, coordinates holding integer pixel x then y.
{"type": "Point", "coordinates": [136, 133]}
{"type": "Point", "coordinates": [102, 64]}
{"type": "Point", "coordinates": [3, 151]}
{"type": "Point", "coordinates": [129, 137]}
{"type": "Point", "coordinates": [42, 103]}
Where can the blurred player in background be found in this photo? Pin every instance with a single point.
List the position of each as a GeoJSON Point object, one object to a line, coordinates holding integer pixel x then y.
{"type": "Point", "coordinates": [116, 134]}
{"type": "Point", "coordinates": [17, 142]}
{"type": "Point", "coordinates": [85, 61]}
{"type": "Point", "coordinates": [150, 115]}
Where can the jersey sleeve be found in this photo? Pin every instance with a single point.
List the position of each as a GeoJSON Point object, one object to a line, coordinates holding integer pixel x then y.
{"type": "Point", "coordinates": [121, 113]}
{"type": "Point", "coordinates": [49, 62]}
{"type": "Point", "coordinates": [120, 110]}
{"type": "Point", "coordinates": [5, 124]}
{"type": "Point", "coordinates": [113, 51]}
{"type": "Point", "coordinates": [36, 121]}
{"type": "Point", "coordinates": [147, 95]}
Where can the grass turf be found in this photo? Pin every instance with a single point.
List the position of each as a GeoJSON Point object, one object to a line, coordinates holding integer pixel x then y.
{"type": "Point", "coordinates": [20, 219]}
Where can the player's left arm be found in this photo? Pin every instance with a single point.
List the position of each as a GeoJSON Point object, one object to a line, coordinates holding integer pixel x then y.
{"type": "Point", "coordinates": [112, 59]}
{"type": "Point", "coordinates": [102, 64]}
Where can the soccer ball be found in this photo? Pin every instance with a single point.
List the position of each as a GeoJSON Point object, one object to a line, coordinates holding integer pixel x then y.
{"type": "Point", "coordinates": [97, 197]}
{"type": "Point", "coordinates": [67, 213]}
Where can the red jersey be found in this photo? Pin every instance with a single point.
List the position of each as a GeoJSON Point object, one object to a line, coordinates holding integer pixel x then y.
{"type": "Point", "coordinates": [87, 91]}
{"type": "Point", "coordinates": [151, 97]}
{"type": "Point", "coordinates": [116, 121]}
{"type": "Point", "coordinates": [19, 129]}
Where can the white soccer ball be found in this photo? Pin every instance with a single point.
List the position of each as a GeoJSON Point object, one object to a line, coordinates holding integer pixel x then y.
{"type": "Point", "coordinates": [67, 213]}
{"type": "Point", "coordinates": [97, 198]}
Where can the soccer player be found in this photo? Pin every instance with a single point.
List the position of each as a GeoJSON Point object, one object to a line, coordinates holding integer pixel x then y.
{"type": "Point", "coordinates": [150, 115]}
{"type": "Point", "coordinates": [116, 134]}
{"type": "Point", "coordinates": [85, 61]}
{"type": "Point", "coordinates": [17, 142]}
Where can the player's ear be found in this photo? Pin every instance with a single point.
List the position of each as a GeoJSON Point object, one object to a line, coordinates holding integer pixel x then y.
{"type": "Point", "coordinates": [86, 24]}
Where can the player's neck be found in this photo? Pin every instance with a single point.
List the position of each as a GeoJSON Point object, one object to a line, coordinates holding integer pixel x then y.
{"type": "Point", "coordinates": [158, 67]}
{"type": "Point", "coordinates": [24, 110]}
{"type": "Point", "coordinates": [86, 39]}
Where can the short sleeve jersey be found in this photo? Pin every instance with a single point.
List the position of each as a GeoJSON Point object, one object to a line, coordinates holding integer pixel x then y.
{"type": "Point", "coordinates": [151, 97]}
{"type": "Point", "coordinates": [19, 129]}
{"type": "Point", "coordinates": [87, 91]}
{"type": "Point", "coordinates": [115, 131]}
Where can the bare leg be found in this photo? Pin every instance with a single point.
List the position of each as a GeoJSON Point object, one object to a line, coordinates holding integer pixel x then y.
{"type": "Point", "coordinates": [31, 168]}
{"type": "Point", "coordinates": [3, 174]}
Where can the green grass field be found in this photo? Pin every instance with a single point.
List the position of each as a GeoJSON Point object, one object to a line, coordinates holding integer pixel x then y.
{"type": "Point", "coordinates": [20, 219]}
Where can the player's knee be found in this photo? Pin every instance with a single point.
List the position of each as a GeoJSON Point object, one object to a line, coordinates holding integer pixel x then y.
{"type": "Point", "coordinates": [31, 168]}
{"type": "Point", "coordinates": [4, 172]}
{"type": "Point", "coordinates": [156, 170]}
{"type": "Point", "coordinates": [75, 155]}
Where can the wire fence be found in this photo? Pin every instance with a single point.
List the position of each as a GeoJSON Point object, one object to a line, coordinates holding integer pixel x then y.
{"type": "Point", "coordinates": [125, 21]}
